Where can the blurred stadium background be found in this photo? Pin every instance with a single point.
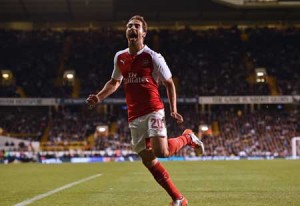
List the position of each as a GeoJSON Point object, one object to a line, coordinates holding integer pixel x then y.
{"type": "Point", "coordinates": [236, 65]}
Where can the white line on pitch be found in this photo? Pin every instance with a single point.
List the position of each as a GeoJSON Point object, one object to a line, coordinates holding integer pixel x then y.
{"type": "Point", "coordinates": [41, 196]}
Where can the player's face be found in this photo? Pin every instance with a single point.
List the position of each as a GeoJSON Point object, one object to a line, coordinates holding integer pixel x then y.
{"type": "Point", "coordinates": [135, 32]}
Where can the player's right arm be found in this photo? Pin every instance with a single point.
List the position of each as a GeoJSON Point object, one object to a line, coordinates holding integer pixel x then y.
{"type": "Point", "coordinates": [110, 87]}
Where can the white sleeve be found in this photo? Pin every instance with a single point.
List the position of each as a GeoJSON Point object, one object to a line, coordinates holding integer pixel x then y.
{"type": "Point", "coordinates": [117, 75]}
{"type": "Point", "coordinates": [161, 67]}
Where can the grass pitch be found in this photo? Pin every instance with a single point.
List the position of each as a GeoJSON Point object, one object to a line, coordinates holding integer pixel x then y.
{"type": "Point", "coordinates": [207, 183]}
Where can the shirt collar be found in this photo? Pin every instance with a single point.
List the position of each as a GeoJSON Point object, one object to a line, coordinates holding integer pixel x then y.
{"type": "Point", "coordinates": [141, 51]}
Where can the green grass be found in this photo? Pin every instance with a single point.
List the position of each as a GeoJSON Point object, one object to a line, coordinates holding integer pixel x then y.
{"type": "Point", "coordinates": [207, 183]}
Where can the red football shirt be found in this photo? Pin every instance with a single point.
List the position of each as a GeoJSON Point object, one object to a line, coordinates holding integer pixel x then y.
{"type": "Point", "coordinates": [141, 74]}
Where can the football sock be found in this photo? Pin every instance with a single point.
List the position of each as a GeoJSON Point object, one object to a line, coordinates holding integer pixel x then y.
{"type": "Point", "coordinates": [175, 144]}
{"type": "Point", "coordinates": [161, 176]}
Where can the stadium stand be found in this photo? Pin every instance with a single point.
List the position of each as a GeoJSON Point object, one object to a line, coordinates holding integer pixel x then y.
{"type": "Point", "coordinates": [210, 62]}
{"type": "Point", "coordinates": [206, 62]}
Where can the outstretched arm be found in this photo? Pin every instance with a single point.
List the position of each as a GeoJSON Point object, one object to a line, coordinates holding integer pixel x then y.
{"type": "Point", "coordinates": [171, 91]}
{"type": "Point", "coordinates": [110, 87]}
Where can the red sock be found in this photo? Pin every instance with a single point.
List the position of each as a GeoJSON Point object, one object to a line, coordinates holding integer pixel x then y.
{"type": "Point", "coordinates": [175, 144]}
{"type": "Point", "coordinates": [161, 176]}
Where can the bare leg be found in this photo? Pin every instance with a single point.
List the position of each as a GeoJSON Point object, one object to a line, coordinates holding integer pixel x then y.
{"type": "Point", "coordinates": [148, 158]}
{"type": "Point", "coordinates": [164, 147]}
{"type": "Point", "coordinates": [160, 146]}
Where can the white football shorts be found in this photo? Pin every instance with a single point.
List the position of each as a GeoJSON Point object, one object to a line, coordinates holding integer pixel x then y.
{"type": "Point", "coordinates": [145, 127]}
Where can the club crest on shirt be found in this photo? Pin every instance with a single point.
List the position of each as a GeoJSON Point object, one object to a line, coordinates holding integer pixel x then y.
{"type": "Point", "coordinates": [145, 62]}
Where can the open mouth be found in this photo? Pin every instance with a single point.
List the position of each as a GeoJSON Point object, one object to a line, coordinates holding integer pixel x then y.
{"type": "Point", "coordinates": [132, 36]}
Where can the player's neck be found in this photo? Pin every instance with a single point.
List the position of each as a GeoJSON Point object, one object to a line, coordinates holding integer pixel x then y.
{"type": "Point", "coordinates": [134, 49]}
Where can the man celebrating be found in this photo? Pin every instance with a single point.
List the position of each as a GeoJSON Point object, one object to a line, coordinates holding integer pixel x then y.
{"type": "Point", "coordinates": [141, 69]}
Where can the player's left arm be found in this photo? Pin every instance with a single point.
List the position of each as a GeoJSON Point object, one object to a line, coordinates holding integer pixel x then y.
{"type": "Point", "coordinates": [165, 76]}
{"type": "Point", "coordinates": [171, 92]}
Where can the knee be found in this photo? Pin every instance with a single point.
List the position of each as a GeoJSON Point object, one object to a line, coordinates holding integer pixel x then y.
{"type": "Point", "coordinates": [161, 154]}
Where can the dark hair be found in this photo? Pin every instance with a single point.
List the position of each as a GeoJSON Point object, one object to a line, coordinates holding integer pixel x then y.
{"type": "Point", "coordinates": [140, 18]}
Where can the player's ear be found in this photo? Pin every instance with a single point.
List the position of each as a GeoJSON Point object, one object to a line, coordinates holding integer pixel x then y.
{"type": "Point", "coordinates": [144, 34]}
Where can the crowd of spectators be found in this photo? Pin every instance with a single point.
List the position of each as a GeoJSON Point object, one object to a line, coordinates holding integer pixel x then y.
{"type": "Point", "coordinates": [34, 58]}
{"type": "Point", "coordinates": [203, 62]}
{"type": "Point", "coordinates": [24, 122]}
{"type": "Point", "coordinates": [265, 132]}
{"type": "Point", "coordinates": [261, 133]}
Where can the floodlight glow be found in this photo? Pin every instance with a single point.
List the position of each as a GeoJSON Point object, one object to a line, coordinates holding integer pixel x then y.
{"type": "Point", "coordinates": [260, 80]}
{"type": "Point", "coordinates": [260, 74]}
{"type": "Point", "coordinates": [5, 76]}
{"type": "Point", "coordinates": [70, 76]}
{"type": "Point", "coordinates": [204, 128]}
{"type": "Point", "coordinates": [101, 129]}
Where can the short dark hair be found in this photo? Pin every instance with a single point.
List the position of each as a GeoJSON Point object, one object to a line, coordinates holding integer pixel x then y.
{"type": "Point", "coordinates": [140, 18]}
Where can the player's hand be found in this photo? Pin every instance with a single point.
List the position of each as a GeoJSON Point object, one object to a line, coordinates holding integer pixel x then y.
{"type": "Point", "coordinates": [92, 100]}
{"type": "Point", "coordinates": [177, 117]}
